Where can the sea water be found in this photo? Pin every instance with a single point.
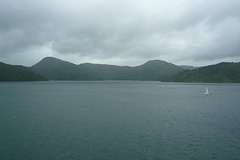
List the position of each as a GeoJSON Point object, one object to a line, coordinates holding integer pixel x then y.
{"type": "Point", "coordinates": [111, 120]}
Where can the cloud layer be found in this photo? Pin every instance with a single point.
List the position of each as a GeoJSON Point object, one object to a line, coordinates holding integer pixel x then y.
{"type": "Point", "coordinates": [126, 32]}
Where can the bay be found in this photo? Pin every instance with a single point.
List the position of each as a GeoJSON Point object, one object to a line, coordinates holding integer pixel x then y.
{"type": "Point", "coordinates": [119, 120]}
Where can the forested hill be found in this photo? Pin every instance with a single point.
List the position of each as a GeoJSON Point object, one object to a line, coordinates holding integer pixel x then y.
{"type": "Point", "coordinates": [219, 73]}
{"type": "Point", "coordinates": [56, 69]}
{"type": "Point", "coordinates": [18, 73]}
{"type": "Point", "coordinates": [154, 70]}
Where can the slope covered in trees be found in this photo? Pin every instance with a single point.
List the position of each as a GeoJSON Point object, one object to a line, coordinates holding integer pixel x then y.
{"type": "Point", "coordinates": [18, 73]}
{"type": "Point", "coordinates": [56, 69]}
{"type": "Point", "coordinates": [220, 73]}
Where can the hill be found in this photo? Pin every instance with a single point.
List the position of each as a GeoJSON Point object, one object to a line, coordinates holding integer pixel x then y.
{"type": "Point", "coordinates": [56, 69]}
{"type": "Point", "coordinates": [221, 73]}
{"type": "Point", "coordinates": [18, 73]}
{"type": "Point", "coordinates": [156, 70]}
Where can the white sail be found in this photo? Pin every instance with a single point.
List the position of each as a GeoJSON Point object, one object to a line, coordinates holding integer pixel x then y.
{"type": "Point", "coordinates": [207, 92]}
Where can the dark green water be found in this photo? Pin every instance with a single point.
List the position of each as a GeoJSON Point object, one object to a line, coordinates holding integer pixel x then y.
{"type": "Point", "coordinates": [119, 120]}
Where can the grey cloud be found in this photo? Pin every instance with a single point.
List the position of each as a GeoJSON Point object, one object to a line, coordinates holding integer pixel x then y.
{"type": "Point", "coordinates": [126, 31]}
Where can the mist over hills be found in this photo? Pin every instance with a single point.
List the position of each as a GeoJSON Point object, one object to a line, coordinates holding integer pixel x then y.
{"type": "Point", "coordinates": [56, 69]}
{"type": "Point", "coordinates": [188, 67]}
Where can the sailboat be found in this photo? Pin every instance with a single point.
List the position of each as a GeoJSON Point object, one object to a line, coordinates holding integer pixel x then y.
{"type": "Point", "coordinates": [207, 92]}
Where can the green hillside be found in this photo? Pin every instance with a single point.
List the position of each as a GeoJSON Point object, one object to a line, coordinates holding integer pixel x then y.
{"type": "Point", "coordinates": [221, 73]}
{"type": "Point", "coordinates": [56, 69]}
{"type": "Point", "coordinates": [18, 73]}
{"type": "Point", "coordinates": [156, 70]}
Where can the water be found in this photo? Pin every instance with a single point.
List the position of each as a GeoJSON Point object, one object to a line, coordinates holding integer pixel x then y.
{"type": "Point", "coordinates": [119, 120]}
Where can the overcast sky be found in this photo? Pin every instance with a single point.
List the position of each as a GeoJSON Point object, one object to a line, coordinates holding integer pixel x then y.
{"type": "Point", "coordinates": [121, 32]}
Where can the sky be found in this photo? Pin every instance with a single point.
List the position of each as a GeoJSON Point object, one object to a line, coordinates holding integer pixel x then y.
{"type": "Point", "coordinates": [120, 32]}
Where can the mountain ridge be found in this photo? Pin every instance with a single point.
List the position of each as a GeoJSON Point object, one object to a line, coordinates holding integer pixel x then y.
{"type": "Point", "coordinates": [50, 68]}
{"type": "Point", "coordinates": [56, 69]}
